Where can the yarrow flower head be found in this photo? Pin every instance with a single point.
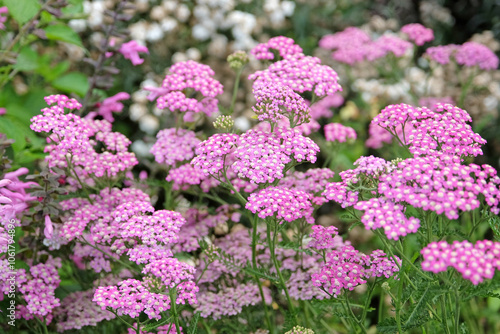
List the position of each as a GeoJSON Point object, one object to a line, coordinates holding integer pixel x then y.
{"type": "Point", "coordinates": [194, 77]}
{"type": "Point", "coordinates": [73, 140]}
{"type": "Point", "coordinates": [300, 330]}
{"type": "Point", "coordinates": [237, 60]}
{"type": "Point", "coordinates": [301, 73]}
{"type": "Point", "coordinates": [275, 102]}
{"type": "Point", "coordinates": [322, 107]}
{"type": "Point", "coordinates": [347, 268]}
{"type": "Point", "coordinates": [468, 54]}
{"type": "Point", "coordinates": [284, 204]}
{"type": "Point", "coordinates": [313, 181]}
{"type": "Point", "coordinates": [261, 157]}
{"type": "Point", "coordinates": [174, 145]}
{"type": "Point", "coordinates": [474, 262]}
{"type": "Point", "coordinates": [336, 132]}
{"type": "Point", "coordinates": [325, 238]}
{"type": "Point", "coordinates": [211, 154]}
{"type": "Point", "coordinates": [418, 33]}
{"type": "Point", "coordinates": [185, 176]}
{"type": "Point", "coordinates": [284, 45]}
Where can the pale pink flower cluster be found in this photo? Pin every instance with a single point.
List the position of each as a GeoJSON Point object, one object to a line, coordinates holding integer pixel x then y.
{"type": "Point", "coordinates": [322, 107]}
{"type": "Point", "coordinates": [275, 102]}
{"type": "Point", "coordinates": [261, 157]}
{"type": "Point", "coordinates": [354, 45]}
{"type": "Point", "coordinates": [336, 132]}
{"type": "Point", "coordinates": [312, 181]}
{"type": "Point", "coordinates": [468, 54]}
{"type": "Point", "coordinates": [284, 45]}
{"type": "Point", "coordinates": [325, 238]}
{"type": "Point", "coordinates": [474, 262]}
{"type": "Point", "coordinates": [302, 74]}
{"type": "Point", "coordinates": [174, 146]}
{"type": "Point", "coordinates": [73, 141]}
{"type": "Point", "coordinates": [185, 176]}
{"type": "Point", "coordinates": [230, 300]}
{"type": "Point", "coordinates": [417, 33]}
{"type": "Point", "coordinates": [211, 154]}
{"type": "Point", "coordinates": [347, 268]}
{"type": "Point", "coordinates": [189, 76]}
{"type": "Point", "coordinates": [282, 203]}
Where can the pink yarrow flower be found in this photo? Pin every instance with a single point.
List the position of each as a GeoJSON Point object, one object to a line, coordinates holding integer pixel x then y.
{"type": "Point", "coordinates": [418, 33]}
{"type": "Point", "coordinates": [284, 45]}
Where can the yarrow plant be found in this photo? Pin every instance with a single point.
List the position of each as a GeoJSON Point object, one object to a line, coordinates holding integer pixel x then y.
{"type": "Point", "coordinates": [238, 226]}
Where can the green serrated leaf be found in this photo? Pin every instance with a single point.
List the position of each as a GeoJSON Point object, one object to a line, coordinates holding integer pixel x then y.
{"type": "Point", "coordinates": [74, 82]}
{"type": "Point", "coordinates": [22, 10]}
{"type": "Point", "coordinates": [494, 222]}
{"type": "Point", "coordinates": [27, 60]}
{"type": "Point", "coordinates": [193, 326]}
{"type": "Point", "coordinates": [64, 33]}
{"type": "Point", "coordinates": [387, 325]}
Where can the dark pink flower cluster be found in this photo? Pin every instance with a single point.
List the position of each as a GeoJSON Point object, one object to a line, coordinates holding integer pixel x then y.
{"type": "Point", "coordinates": [382, 213]}
{"type": "Point", "coordinates": [73, 140]}
{"type": "Point", "coordinates": [13, 197]}
{"type": "Point", "coordinates": [347, 268]}
{"type": "Point", "coordinates": [302, 74]}
{"type": "Point", "coordinates": [174, 146]}
{"type": "Point", "coordinates": [230, 300]}
{"type": "Point", "coordinates": [211, 154]}
{"type": "Point", "coordinates": [261, 157]}
{"type": "Point", "coordinates": [275, 102]}
{"type": "Point", "coordinates": [284, 45]}
{"type": "Point", "coordinates": [193, 77]}
{"type": "Point", "coordinates": [325, 238]}
{"type": "Point", "coordinates": [468, 54]}
{"type": "Point", "coordinates": [442, 185]}
{"type": "Point", "coordinates": [353, 45]}
{"type": "Point", "coordinates": [474, 262]}
{"type": "Point", "coordinates": [337, 132]}
{"type": "Point", "coordinates": [418, 33]}
{"type": "Point", "coordinates": [284, 204]}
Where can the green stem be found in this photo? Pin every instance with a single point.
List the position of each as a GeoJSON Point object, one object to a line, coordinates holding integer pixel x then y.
{"type": "Point", "coordinates": [360, 324]}
{"type": "Point", "coordinates": [272, 249]}
{"type": "Point", "coordinates": [465, 88]}
{"type": "Point", "coordinates": [445, 314]}
{"type": "Point", "coordinates": [173, 308]}
{"type": "Point", "coordinates": [457, 310]}
{"type": "Point", "coordinates": [235, 90]}
{"type": "Point", "coordinates": [109, 256]}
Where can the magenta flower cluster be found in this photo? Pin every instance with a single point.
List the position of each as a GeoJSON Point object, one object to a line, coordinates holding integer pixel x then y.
{"type": "Point", "coordinates": [174, 145]}
{"type": "Point", "coordinates": [418, 33]}
{"type": "Point", "coordinates": [475, 262]}
{"type": "Point", "coordinates": [336, 132]}
{"type": "Point", "coordinates": [469, 54]}
{"type": "Point", "coordinates": [283, 45]}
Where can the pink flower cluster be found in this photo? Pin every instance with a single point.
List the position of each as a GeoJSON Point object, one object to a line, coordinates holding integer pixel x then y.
{"type": "Point", "coordinates": [325, 238]}
{"type": "Point", "coordinates": [354, 45]}
{"type": "Point", "coordinates": [468, 54]}
{"type": "Point", "coordinates": [301, 73]}
{"type": "Point", "coordinates": [131, 297]}
{"type": "Point", "coordinates": [38, 288]}
{"type": "Point", "coordinates": [185, 176]}
{"type": "Point", "coordinates": [211, 154]}
{"type": "Point", "coordinates": [427, 132]}
{"type": "Point", "coordinates": [382, 213]}
{"type": "Point", "coordinates": [3, 10]}
{"type": "Point", "coordinates": [174, 146]}
{"type": "Point", "coordinates": [261, 157]}
{"type": "Point", "coordinates": [13, 197]}
{"type": "Point", "coordinates": [337, 132]}
{"type": "Point", "coordinates": [418, 33]}
{"type": "Point", "coordinates": [284, 204]}
{"type": "Point", "coordinates": [347, 268]}
{"type": "Point", "coordinates": [73, 140]}
{"type": "Point", "coordinates": [312, 181]}
{"type": "Point", "coordinates": [275, 102]}
{"type": "Point", "coordinates": [284, 45]}
{"type": "Point", "coordinates": [230, 300]}
{"type": "Point", "coordinates": [195, 78]}
{"type": "Point", "coordinates": [322, 107]}
{"type": "Point", "coordinates": [442, 185]}
{"type": "Point", "coordinates": [474, 262]}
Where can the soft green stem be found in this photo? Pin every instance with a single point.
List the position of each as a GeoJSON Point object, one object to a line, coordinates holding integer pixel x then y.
{"type": "Point", "coordinates": [257, 280]}
{"type": "Point", "coordinates": [173, 308]}
{"type": "Point", "coordinates": [445, 314]}
{"type": "Point", "coordinates": [272, 248]}
{"type": "Point", "coordinates": [465, 88]}
{"type": "Point", "coordinates": [360, 324]}
{"type": "Point", "coordinates": [457, 310]}
{"type": "Point", "coordinates": [235, 90]}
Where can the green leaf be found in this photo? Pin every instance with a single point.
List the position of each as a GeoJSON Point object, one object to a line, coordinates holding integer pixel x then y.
{"type": "Point", "coordinates": [13, 130]}
{"type": "Point", "coordinates": [22, 10]}
{"type": "Point", "coordinates": [194, 323]}
{"type": "Point", "coordinates": [64, 33]}
{"type": "Point", "coordinates": [494, 222]}
{"type": "Point", "coordinates": [27, 60]}
{"type": "Point", "coordinates": [74, 82]}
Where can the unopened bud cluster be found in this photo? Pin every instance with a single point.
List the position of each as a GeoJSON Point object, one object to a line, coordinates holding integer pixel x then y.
{"type": "Point", "coordinates": [237, 60]}
{"type": "Point", "coordinates": [223, 122]}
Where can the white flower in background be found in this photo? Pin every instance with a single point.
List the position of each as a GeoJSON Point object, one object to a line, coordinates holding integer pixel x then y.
{"type": "Point", "coordinates": [137, 110]}
{"type": "Point", "coordinates": [138, 31]}
{"type": "Point", "coordinates": [154, 32]}
{"type": "Point", "coordinates": [168, 24]}
{"type": "Point", "coordinates": [242, 123]}
{"type": "Point", "coordinates": [140, 148]}
{"type": "Point", "coordinates": [149, 124]}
